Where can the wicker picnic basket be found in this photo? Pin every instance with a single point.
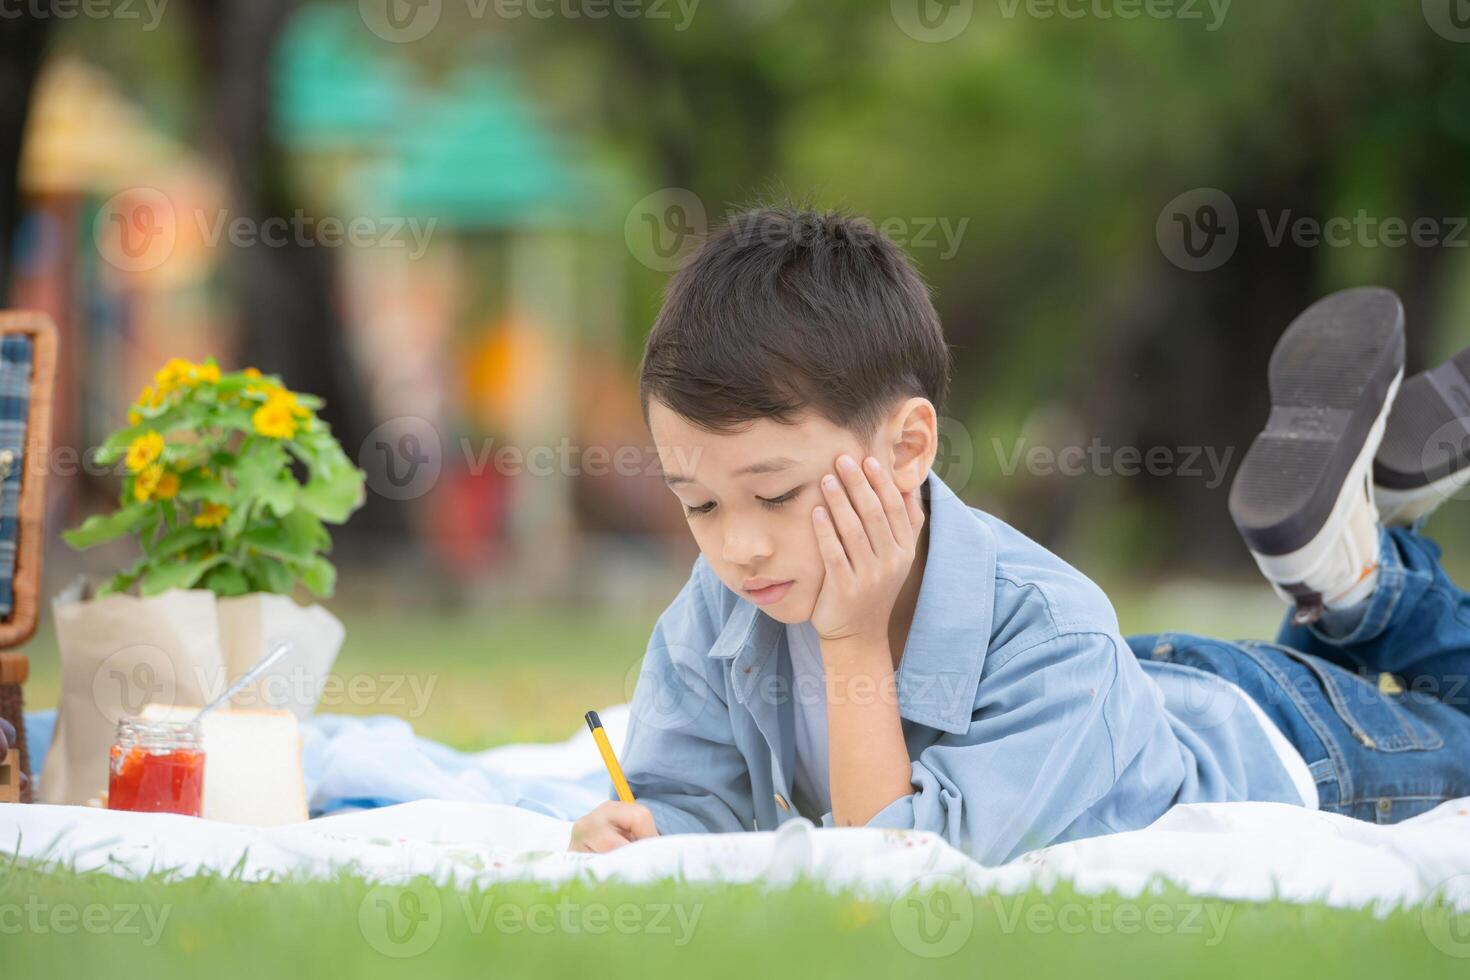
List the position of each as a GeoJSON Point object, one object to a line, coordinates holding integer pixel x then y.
{"type": "Point", "coordinates": [27, 379]}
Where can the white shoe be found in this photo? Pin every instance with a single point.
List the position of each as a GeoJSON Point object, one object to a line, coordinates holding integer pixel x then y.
{"type": "Point", "coordinates": [1425, 456]}
{"type": "Point", "coordinates": [1303, 497]}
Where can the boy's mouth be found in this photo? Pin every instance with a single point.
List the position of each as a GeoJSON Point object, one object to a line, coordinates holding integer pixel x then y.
{"type": "Point", "coordinates": [764, 591]}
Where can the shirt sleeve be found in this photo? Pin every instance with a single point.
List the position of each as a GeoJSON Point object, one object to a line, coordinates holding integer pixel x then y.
{"type": "Point", "coordinates": [1038, 753]}
{"type": "Point", "coordinates": [680, 755]}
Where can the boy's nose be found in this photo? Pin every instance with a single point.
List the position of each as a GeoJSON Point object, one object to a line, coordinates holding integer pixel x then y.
{"type": "Point", "coordinates": [746, 548]}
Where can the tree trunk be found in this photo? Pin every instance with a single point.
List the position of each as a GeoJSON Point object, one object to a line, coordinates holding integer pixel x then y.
{"type": "Point", "coordinates": [286, 294]}
{"type": "Point", "coordinates": [22, 43]}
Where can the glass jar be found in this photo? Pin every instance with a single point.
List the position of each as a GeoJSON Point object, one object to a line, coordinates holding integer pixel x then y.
{"type": "Point", "coordinates": [157, 767]}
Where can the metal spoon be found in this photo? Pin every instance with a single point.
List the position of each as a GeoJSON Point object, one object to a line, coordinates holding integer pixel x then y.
{"type": "Point", "coordinates": [278, 650]}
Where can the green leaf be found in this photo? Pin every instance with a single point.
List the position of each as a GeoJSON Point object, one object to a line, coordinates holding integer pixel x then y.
{"type": "Point", "coordinates": [307, 529]}
{"type": "Point", "coordinates": [259, 462]}
{"type": "Point", "coordinates": [269, 575]}
{"type": "Point", "coordinates": [186, 415]}
{"type": "Point", "coordinates": [100, 528]}
{"type": "Point", "coordinates": [234, 417]}
{"type": "Point", "coordinates": [335, 489]}
{"type": "Point", "coordinates": [276, 542]}
{"type": "Point", "coordinates": [194, 487]}
{"type": "Point", "coordinates": [182, 539]}
{"type": "Point", "coordinates": [320, 577]}
{"type": "Point", "coordinates": [123, 580]}
{"type": "Point", "coordinates": [227, 580]}
{"type": "Point", "coordinates": [177, 574]}
{"type": "Point", "coordinates": [280, 494]}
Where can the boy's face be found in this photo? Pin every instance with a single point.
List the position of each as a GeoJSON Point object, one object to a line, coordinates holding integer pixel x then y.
{"type": "Point", "coordinates": [748, 495]}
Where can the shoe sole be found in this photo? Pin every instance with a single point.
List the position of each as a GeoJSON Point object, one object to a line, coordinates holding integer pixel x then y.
{"type": "Point", "coordinates": [1428, 438]}
{"type": "Point", "coordinates": [1333, 375]}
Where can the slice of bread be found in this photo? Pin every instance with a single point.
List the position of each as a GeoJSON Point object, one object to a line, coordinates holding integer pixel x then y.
{"type": "Point", "coordinates": [252, 764]}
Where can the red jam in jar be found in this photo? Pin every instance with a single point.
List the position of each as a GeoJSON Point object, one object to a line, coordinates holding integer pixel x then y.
{"type": "Point", "coordinates": [157, 767]}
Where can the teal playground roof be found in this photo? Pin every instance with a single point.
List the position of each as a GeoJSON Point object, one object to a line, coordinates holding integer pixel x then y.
{"type": "Point", "coordinates": [471, 151]}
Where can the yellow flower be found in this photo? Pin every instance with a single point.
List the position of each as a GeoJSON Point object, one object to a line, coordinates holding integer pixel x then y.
{"type": "Point", "coordinates": [211, 514]}
{"type": "Point", "coordinates": [251, 372]}
{"type": "Point", "coordinates": [168, 486]}
{"type": "Point", "coordinates": [144, 451]}
{"type": "Point", "coordinates": [263, 387]}
{"type": "Point", "coordinates": [175, 373]}
{"type": "Point", "coordinates": [146, 483]}
{"type": "Point", "coordinates": [134, 417]}
{"type": "Point", "coordinates": [275, 419]}
{"type": "Point", "coordinates": [179, 373]}
{"type": "Point", "coordinates": [288, 399]}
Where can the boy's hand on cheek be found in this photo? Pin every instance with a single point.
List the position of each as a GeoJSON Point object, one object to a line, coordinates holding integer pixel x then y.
{"type": "Point", "coordinates": [868, 532]}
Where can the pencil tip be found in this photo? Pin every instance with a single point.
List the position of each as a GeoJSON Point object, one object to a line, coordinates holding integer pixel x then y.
{"type": "Point", "coordinates": [593, 722]}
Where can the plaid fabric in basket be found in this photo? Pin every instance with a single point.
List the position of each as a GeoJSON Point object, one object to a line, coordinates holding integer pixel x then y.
{"type": "Point", "coordinates": [15, 401]}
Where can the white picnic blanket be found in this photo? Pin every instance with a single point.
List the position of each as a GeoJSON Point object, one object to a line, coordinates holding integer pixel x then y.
{"type": "Point", "coordinates": [1246, 851]}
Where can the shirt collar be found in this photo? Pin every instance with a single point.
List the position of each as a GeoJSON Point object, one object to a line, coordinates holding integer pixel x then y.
{"type": "Point", "coordinates": [945, 652]}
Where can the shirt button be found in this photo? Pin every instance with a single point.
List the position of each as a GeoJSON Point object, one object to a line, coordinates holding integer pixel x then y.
{"type": "Point", "coordinates": [781, 802]}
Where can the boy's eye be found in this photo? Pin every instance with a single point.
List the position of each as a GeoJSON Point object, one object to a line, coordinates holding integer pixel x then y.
{"type": "Point", "coordinates": [701, 509]}
{"type": "Point", "coordinates": [771, 503]}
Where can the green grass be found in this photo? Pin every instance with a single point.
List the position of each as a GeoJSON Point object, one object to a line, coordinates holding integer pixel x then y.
{"type": "Point", "coordinates": [220, 928]}
{"type": "Point", "coordinates": [484, 677]}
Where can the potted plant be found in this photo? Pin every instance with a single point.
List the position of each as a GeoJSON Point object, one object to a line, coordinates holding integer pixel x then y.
{"type": "Point", "coordinates": [229, 481]}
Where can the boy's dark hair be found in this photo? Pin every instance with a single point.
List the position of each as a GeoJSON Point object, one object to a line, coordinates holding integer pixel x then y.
{"type": "Point", "coordinates": [784, 310]}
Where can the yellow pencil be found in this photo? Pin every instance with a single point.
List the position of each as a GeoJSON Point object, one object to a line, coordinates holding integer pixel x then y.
{"type": "Point", "coordinates": [620, 782]}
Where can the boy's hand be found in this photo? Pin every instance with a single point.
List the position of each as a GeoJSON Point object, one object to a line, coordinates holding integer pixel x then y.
{"type": "Point", "coordinates": [610, 826]}
{"type": "Point", "coordinates": [868, 534]}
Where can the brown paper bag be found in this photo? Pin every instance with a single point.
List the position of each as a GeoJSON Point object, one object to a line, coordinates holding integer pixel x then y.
{"type": "Point", "coordinates": [249, 624]}
{"type": "Point", "coordinates": [119, 654]}
{"type": "Point", "coordinates": [183, 647]}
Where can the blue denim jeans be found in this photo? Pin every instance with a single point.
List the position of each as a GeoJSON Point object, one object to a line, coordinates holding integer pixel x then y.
{"type": "Point", "coordinates": [1376, 699]}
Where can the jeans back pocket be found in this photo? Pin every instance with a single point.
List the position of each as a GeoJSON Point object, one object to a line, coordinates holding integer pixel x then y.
{"type": "Point", "coordinates": [1377, 720]}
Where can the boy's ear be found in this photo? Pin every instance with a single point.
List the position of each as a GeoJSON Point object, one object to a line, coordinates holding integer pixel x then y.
{"type": "Point", "coordinates": [911, 438]}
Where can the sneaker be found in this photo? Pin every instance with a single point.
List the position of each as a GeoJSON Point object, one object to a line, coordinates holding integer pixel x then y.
{"type": "Point", "coordinates": [1303, 496]}
{"type": "Point", "coordinates": [1425, 456]}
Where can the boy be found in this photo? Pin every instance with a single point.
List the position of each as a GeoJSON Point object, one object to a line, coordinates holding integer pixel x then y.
{"type": "Point", "coordinates": [857, 646]}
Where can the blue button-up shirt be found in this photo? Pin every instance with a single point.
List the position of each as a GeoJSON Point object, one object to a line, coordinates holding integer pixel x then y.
{"type": "Point", "coordinates": [1027, 718]}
